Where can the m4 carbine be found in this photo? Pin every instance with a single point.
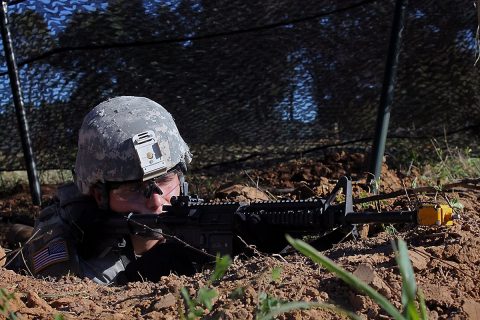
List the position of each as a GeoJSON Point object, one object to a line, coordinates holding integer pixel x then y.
{"type": "Point", "coordinates": [216, 227]}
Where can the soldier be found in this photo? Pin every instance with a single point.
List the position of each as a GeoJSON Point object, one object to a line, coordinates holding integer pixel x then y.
{"type": "Point", "coordinates": [131, 159]}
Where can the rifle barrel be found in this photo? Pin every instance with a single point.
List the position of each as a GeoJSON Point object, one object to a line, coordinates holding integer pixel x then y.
{"type": "Point", "coordinates": [381, 217]}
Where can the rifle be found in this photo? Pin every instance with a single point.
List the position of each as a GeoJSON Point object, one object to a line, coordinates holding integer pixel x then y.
{"type": "Point", "coordinates": [215, 228]}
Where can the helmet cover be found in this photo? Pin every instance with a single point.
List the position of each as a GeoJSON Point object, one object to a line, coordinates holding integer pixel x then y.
{"type": "Point", "coordinates": [127, 138]}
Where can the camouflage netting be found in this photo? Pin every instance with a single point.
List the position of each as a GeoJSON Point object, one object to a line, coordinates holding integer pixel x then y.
{"type": "Point", "coordinates": [242, 78]}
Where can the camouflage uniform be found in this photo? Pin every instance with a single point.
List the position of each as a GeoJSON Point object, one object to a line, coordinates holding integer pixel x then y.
{"type": "Point", "coordinates": [64, 235]}
{"type": "Point", "coordinates": [121, 139]}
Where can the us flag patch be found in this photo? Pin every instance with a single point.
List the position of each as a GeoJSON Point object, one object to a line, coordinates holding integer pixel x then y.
{"type": "Point", "coordinates": [55, 252]}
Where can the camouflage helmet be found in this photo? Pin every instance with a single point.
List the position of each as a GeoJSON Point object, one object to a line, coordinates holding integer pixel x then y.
{"type": "Point", "coordinates": [127, 138]}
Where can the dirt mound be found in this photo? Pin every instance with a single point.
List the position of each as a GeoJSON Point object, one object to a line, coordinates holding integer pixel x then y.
{"type": "Point", "coordinates": [445, 260]}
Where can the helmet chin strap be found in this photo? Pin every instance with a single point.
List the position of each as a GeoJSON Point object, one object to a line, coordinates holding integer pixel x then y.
{"type": "Point", "coordinates": [183, 185]}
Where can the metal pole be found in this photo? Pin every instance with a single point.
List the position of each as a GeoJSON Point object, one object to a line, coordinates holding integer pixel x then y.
{"type": "Point", "coordinates": [388, 87]}
{"type": "Point", "coordinates": [19, 107]}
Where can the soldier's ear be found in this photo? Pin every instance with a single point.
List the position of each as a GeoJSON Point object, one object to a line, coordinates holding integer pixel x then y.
{"type": "Point", "coordinates": [97, 195]}
{"type": "Point", "coordinates": [101, 195]}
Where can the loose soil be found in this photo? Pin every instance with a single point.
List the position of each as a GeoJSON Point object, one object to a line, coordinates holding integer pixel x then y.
{"type": "Point", "coordinates": [445, 259]}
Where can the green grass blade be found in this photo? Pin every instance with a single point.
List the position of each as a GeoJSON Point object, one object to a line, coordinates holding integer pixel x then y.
{"type": "Point", "coordinates": [409, 285]}
{"type": "Point", "coordinates": [409, 290]}
{"type": "Point", "coordinates": [206, 296]}
{"type": "Point", "coordinates": [347, 277]}
{"type": "Point", "coordinates": [187, 298]}
{"type": "Point", "coordinates": [411, 311]}
{"type": "Point", "coordinates": [221, 266]}
{"type": "Point", "coordinates": [423, 307]}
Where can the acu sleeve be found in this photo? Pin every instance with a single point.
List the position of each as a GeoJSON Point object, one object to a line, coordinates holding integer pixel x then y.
{"type": "Point", "coordinates": [51, 251]}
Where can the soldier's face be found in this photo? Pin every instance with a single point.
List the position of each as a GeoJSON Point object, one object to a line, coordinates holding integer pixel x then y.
{"type": "Point", "coordinates": [144, 197]}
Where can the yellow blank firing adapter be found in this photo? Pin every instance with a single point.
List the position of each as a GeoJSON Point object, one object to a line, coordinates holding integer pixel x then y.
{"type": "Point", "coordinates": [440, 215]}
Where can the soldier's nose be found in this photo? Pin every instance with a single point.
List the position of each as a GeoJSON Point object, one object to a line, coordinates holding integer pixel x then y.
{"type": "Point", "coordinates": [156, 202]}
